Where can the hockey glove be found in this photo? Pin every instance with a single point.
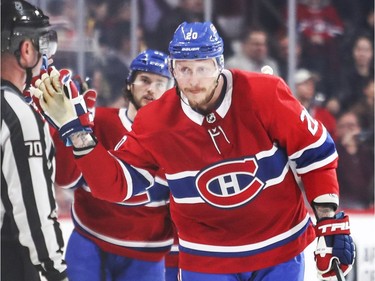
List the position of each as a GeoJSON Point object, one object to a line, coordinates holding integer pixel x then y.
{"type": "Point", "coordinates": [334, 242]}
{"type": "Point", "coordinates": [79, 100]}
{"type": "Point", "coordinates": [88, 94]}
{"type": "Point", "coordinates": [61, 103]}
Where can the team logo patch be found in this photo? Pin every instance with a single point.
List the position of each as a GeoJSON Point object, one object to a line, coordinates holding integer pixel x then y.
{"type": "Point", "coordinates": [229, 184]}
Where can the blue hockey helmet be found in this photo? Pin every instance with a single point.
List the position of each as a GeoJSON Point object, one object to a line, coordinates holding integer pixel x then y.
{"type": "Point", "coordinates": [196, 40]}
{"type": "Point", "coordinates": [150, 61]}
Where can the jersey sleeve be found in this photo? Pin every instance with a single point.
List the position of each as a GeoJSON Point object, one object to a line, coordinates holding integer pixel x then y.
{"type": "Point", "coordinates": [116, 175]}
{"type": "Point", "coordinates": [68, 175]}
{"type": "Point", "coordinates": [310, 148]}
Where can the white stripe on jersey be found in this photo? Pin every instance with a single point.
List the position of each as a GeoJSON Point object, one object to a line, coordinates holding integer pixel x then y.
{"type": "Point", "coordinates": [245, 248]}
{"type": "Point", "coordinates": [123, 116]}
{"type": "Point", "coordinates": [266, 153]}
{"type": "Point", "coordinates": [318, 143]}
{"type": "Point", "coordinates": [279, 179]}
{"type": "Point", "coordinates": [181, 175]}
{"type": "Point", "coordinates": [189, 200]}
{"type": "Point", "coordinates": [122, 242]}
{"type": "Point", "coordinates": [129, 180]}
{"type": "Point", "coordinates": [318, 164]}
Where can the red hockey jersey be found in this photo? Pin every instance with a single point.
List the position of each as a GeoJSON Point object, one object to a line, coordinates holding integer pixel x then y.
{"type": "Point", "coordinates": [235, 200]}
{"type": "Point", "coordinates": [138, 228]}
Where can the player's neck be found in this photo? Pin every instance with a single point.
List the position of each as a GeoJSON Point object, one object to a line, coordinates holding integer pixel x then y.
{"type": "Point", "coordinates": [132, 111]}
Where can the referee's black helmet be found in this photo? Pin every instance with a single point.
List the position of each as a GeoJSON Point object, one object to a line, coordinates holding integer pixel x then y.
{"type": "Point", "coordinates": [20, 20]}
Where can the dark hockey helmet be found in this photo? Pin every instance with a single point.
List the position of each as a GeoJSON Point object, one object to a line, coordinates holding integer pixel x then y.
{"type": "Point", "coordinates": [150, 61]}
{"type": "Point", "coordinates": [197, 40]}
{"type": "Point", "coordinates": [20, 21]}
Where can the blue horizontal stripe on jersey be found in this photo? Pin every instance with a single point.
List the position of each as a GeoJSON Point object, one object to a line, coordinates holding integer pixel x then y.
{"type": "Point", "coordinates": [183, 188]}
{"type": "Point", "coordinates": [316, 154]}
{"type": "Point", "coordinates": [272, 167]}
{"type": "Point", "coordinates": [159, 192]}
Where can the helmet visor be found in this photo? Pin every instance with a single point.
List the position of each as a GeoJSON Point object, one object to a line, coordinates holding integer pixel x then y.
{"type": "Point", "coordinates": [185, 69]}
{"type": "Point", "coordinates": [47, 43]}
{"type": "Point", "coordinates": [160, 86]}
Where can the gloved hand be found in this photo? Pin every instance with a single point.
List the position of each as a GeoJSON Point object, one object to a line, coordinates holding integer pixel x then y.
{"type": "Point", "coordinates": [61, 103]}
{"type": "Point", "coordinates": [84, 99]}
{"type": "Point", "coordinates": [89, 95]}
{"type": "Point", "coordinates": [334, 242]}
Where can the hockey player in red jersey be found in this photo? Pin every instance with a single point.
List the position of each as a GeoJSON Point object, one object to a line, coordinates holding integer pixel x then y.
{"type": "Point", "coordinates": [126, 240]}
{"type": "Point", "coordinates": [229, 143]}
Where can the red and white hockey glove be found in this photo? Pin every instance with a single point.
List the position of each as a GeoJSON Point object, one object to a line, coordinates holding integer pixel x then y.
{"type": "Point", "coordinates": [89, 95]}
{"type": "Point", "coordinates": [334, 242]}
{"type": "Point", "coordinates": [79, 100]}
{"type": "Point", "coordinates": [62, 104]}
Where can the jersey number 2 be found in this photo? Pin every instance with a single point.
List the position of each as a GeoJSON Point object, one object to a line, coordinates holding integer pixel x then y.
{"type": "Point", "coordinates": [312, 124]}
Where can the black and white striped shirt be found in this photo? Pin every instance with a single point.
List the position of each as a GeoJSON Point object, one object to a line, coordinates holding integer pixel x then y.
{"type": "Point", "coordinates": [28, 207]}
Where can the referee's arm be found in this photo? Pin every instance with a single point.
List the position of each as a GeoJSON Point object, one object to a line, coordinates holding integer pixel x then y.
{"type": "Point", "coordinates": [27, 191]}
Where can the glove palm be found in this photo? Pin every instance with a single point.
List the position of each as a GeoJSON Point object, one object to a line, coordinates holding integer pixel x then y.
{"type": "Point", "coordinates": [62, 104]}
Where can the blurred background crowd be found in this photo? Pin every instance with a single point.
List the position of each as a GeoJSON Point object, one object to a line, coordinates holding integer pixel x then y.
{"type": "Point", "coordinates": [333, 50]}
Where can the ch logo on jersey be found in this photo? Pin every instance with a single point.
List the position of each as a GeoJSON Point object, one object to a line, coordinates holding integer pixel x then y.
{"type": "Point", "coordinates": [229, 184]}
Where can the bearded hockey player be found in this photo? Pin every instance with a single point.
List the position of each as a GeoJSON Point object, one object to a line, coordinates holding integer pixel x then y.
{"type": "Point", "coordinates": [228, 142]}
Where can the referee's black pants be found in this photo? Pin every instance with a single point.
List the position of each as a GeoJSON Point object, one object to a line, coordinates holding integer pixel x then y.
{"type": "Point", "coordinates": [16, 264]}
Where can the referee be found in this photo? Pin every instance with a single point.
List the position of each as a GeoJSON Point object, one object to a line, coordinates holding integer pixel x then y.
{"type": "Point", "coordinates": [31, 239]}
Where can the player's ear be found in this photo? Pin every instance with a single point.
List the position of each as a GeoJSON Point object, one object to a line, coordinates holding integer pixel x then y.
{"type": "Point", "coordinates": [27, 53]}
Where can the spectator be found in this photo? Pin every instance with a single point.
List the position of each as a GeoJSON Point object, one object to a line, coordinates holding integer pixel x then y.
{"type": "Point", "coordinates": [253, 52]}
{"type": "Point", "coordinates": [231, 18]}
{"type": "Point", "coordinates": [268, 14]}
{"type": "Point", "coordinates": [282, 54]}
{"type": "Point", "coordinates": [312, 100]}
{"type": "Point", "coordinates": [320, 27]}
{"type": "Point", "coordinates": [114, 62]}
{"type": "Point", "coordinates": [355, 171]}
{"type": "Point", "coordinates": [357, 71]}
{"type": "Point", "coordinates": [365, 111]}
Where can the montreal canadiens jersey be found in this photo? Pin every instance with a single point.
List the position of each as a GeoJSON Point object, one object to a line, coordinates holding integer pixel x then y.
{"type": "Point", "coordinates": [232, 173]}
{"type": "Point", "coordinates": [139, 227]}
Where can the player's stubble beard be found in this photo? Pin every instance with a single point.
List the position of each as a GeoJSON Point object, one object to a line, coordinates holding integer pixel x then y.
{"type": "Point", "coordinates": [137, 102]}
{"type": "Point", "coordinates": [200, 106]}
